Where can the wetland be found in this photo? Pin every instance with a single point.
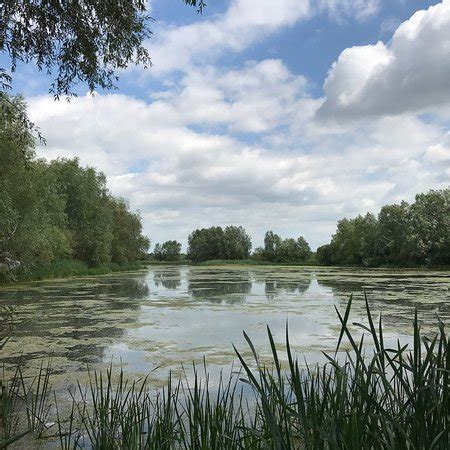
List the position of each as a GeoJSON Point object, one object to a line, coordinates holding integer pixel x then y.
{"type": "Point", "coordinates": [163, 318]}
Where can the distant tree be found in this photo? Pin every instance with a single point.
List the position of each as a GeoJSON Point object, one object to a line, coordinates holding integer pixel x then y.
{"type": "Point", "coordinates": [324, 255]}
{"type": "Point", "coordinates": [87, 41]}
{"type": "Point", "coordinates": [206, 244]}
{"type": "Point", "coordinates": [429, 241]}
{"type": "Point", "coordinates": [394, 234]}
{"type": "Point", "coordinates": [355, 241]}
{"type": "Point", "coordinates": [168, 251]}
{"type": "Point", "coordinates": [285, 250]}
{"type": "Point", "coordinates": [215, 243]}
{"type": "Point", "coordinates": [402, 235]}
{"type": "Point", "coordinates": [259, 254]}
{"type": "Point", "coordinates": [128, 244]}
{"type": "Point", "coordinates": [272, 244]}
{"type": "Point", "coordinates": [303, 249]}
{"type": "Point", "coordinates": [237, 243]}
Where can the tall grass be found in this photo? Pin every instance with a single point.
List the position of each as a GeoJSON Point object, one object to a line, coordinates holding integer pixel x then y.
{"type": "Point", "coordinates": [66, 268]}
{"type": "Point", "coordinates": [372, 397]}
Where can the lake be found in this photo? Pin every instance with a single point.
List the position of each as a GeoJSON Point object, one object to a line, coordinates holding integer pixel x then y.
{"type": "Point", "coordinates": [169, 316]}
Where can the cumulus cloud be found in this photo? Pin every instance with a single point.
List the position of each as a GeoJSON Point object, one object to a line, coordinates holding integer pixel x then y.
{"type": "Point", "coordinates": [410, 73]}
{"type": "Point", "coordinates": [182, 178]}
{"type": "Point", "coordinates": [340, 9]}
{"type": "Point", "coordinates": [243, 24]}
{"type": "Point", "coordinates": [248, 145]}
{"type": "Point", "coordinates": [256, 98]}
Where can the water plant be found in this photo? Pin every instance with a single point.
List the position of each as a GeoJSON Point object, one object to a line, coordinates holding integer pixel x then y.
{"type": "Point", "coordinates": [371, 396]}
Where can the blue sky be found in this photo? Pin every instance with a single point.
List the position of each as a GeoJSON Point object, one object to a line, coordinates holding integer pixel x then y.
{"type": "Point", "coordinates": [282, 115]}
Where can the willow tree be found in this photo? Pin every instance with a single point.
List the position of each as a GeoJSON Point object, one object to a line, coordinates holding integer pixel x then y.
{"type": "Point", "coordinates": [84, 41]}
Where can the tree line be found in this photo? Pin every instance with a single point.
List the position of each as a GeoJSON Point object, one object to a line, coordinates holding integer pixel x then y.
{"type": "Point", "coordinates": [59, 209]}
{"type": "Point", "coordinates": [403, 234]}
{"type": "Point", "coordinates": [233, 243]}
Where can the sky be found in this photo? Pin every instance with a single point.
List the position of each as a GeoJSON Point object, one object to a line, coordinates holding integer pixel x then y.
{"type": "Point", "coordinates": [282, 115]}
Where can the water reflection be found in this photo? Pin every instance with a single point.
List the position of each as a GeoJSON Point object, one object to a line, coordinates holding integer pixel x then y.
{"type": "Point", "coordinates": [219, 286]}
{"type": "Point", "coordinates": [169, 278]}
{"type": "Point", "coordinates": [172, 315]}
{"type": "Point", "coordinates": [274, 288]}
{"type": "Point", "coordinates": [73, 319]}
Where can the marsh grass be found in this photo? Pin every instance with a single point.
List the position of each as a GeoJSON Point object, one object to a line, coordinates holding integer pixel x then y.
{"type": "Point", "coordinates": [67, 268]}
{"type": "Point", "coordinates": [374, 396]}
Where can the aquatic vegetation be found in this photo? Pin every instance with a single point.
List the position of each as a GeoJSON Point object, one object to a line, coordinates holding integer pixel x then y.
{"type": "Point", "coordinates": [373, 396]}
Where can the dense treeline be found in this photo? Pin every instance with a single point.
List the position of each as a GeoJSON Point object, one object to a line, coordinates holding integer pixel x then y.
{"type": "Point", "coordinates": [168, 251]}
{"type": "Point", "coordinates": [231, 243]}
{"type": "Point", "coordinates": [57, 210]}
{"type": "Point", "coordinates": [403, 234]}
{"type": "Point", "coordinates": [281, 250]}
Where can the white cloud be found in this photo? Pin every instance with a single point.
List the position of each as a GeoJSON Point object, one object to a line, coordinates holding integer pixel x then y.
{"type": "Point", "coordinates": [360, 9]}
{"type": "Point", "coordinates": [181, 179]}
{"type": "Point", "coordinates": [186, 160]}
{"type": "Point", "coordinates": [410, 73]}
{"type": "Point", "coordinates": [244, 23]}
{"type": "Point", "coordinates": [256, 98]}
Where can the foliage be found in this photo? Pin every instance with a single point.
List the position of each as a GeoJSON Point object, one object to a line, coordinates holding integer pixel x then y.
{"type": "Point", "coordinates": [206, 244]}
{"type": "Point", "coordinates": [402, 235]}
{"type": "Point", "coordinates": [128, 244]}
{"type": "Point", "coordinates": [52, 211]}
{"type": "Point", "coordinates": [87, 42]}
{"type": "Point", "coordinates": [168, 251]}
{"type": "Point", "coordinates": [373, 396]}
{"type": "Point", "coordinates": [237, 243]}
{"type": "Point", "coordinates": [284, 251]}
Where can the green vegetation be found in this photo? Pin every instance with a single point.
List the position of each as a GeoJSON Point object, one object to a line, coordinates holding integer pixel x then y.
{"type": "Point", "coordinates": [374, 396]}
{"type": "Point", "coordinates": [401, 235]}
{"type": "Point", "coordinates": [168, 251]}
{"type": "Point", "coordinates": [57, 211]}
{"type": "Point", "coordinates": [63, 268]}
{"type": "Point", "coordinates": [231, 243]}
{"type": "Point", "coordinates": [87, 42]}
{"type": "Point", "coordinates": [279, 250]}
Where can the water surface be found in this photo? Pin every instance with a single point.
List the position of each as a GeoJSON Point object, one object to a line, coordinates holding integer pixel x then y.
{"type": "Point", "coordinates": [169, 316]}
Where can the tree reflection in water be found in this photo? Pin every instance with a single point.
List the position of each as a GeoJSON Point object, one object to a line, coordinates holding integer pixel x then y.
{"type": "Point", "coordinates": [169, 278]}
{"type": "Point", "coordinates": [220, 286]}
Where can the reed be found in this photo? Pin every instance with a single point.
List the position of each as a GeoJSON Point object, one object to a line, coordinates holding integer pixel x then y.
{"type": "Point", "coordinates": [372, 396]}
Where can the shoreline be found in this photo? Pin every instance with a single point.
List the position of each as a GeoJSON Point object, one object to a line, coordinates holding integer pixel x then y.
{"type": "Point", "coordinates": [88, 272]}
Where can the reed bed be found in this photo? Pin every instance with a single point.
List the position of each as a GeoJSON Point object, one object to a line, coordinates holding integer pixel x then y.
{"type": "Point", "coordinates": [372, 396]}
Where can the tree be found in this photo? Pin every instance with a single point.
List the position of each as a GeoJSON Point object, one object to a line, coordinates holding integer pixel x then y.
{"type": "Point", "coordinates": [287, 250]}
{"type": "Point", "coordinates": [89, 216]}
{"type": "Point", "coordinates": [215, 243]}
{"type": "Point", "coordinates": [394, 234]}
{"type": "Point", "coordinates": [303, 249]}
{"type": "Point", "coordinates": [83, 41]}
{"type": "Point", "coordinates": [429, 240]}
{"type": "Point", "coordinates": [52, 211]}
{"type": "Point", "coordinates": [272, 244]}
{"type": "Point", "coordinates": [128, 244]}
{"type": "Point", "coordinates": [237, 243]}
{"type": "Point", "coordinates": [32, 216]}
{"type": "Point", "coordinates": [206, 244]}
{"type": "Point", "coordinates": [403, 235]}
{"type": "Point", "coordinates": [168, 251]}
{"type": "Point", "coordinates": [355, 241]}
{"type": "Point", "coordinates": [324, 255]}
